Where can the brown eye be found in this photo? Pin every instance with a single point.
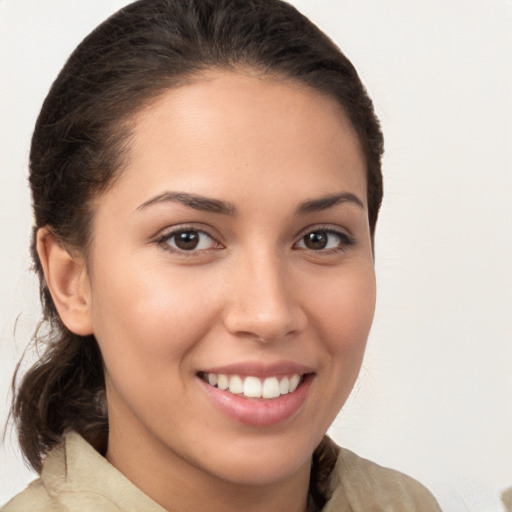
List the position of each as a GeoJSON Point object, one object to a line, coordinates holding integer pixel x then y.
{"type": "Point", "coordinates": [188, 240]}
{"type": "Point", "coordinates": [324, 240]}
{"type": "Point", "coordinates": [316, 240]}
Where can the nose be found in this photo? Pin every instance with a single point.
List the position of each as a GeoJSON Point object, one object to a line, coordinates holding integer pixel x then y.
{"type": "Point", "coordinates": [263, 303]}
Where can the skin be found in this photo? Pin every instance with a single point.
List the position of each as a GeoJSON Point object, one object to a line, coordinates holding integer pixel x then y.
{"type": "Point", "coordinates": [253, 291]}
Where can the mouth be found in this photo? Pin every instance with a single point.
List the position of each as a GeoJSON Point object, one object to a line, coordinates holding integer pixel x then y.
{"type": "Point", "coordinates": [250, 386]}
{"type": "Point", "coordinates": [259, 399]}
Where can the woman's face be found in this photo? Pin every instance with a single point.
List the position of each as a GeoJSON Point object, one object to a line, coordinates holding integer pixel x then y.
{"type": "Point", "coordinates": [234, 250]}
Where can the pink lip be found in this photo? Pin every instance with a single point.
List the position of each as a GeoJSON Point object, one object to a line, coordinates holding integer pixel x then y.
{"type": "Point", "coordinates": [276, 369]}
{"type": "Point", "coordinates": [258, 412]}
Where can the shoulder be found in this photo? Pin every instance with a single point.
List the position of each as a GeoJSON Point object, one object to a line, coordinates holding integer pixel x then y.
{"type": "Point", "coordinates": [34, 498]}
{"type": "Point", "coordinates": [358, 485]}
{"type": "Point", "coordinates": [76, 478]}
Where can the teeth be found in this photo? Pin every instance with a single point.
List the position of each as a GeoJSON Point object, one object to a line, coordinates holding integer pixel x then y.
{"type": "Point", "coordinates": [254, 387]}
{"type": "Point", "coordinates": [270, 388]}
{"type": "Point", "coordinates": [222, 382]}
{"type": "Point", "coordinates": [294, 382]}
{"type": "Point", "coordinates": [236, 385]}
{"type": "Point", "coordinates": [284, 386]}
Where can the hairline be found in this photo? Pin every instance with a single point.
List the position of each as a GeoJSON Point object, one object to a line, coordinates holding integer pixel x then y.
{"type": "Point", "coordinates": [151, 96]}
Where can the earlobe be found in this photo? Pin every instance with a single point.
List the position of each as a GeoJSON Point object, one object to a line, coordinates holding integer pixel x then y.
{"type": "Point", "coordinates": [67, 280]}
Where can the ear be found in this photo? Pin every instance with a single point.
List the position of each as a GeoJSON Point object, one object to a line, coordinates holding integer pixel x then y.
{"type": "Point", "coordinates": [68, 282]}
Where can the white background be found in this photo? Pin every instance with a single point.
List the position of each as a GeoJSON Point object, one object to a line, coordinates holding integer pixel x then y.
{"type": "Point", "coordinates": [435, 394]}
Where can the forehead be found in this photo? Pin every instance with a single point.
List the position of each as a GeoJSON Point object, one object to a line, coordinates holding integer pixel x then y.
{"type": "Point", "coordinates": [243, 129]}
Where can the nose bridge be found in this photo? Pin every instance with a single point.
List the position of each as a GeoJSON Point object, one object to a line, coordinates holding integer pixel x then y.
{"type": "Point", "coordinates": [263, 303]}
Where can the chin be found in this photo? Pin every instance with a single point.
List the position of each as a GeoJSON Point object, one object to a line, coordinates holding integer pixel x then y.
{"type": "Point", "coordinates": [266, 462]}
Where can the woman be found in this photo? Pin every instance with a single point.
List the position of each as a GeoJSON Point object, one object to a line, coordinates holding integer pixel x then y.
{"type": "Point", "coordinates": [206, 182]}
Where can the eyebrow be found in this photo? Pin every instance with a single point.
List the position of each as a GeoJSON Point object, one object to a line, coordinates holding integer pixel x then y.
{"type": "Point", "coordinates": [326, 202]}
{"type": "Point", "coordinates": [207, 204]}
{"type": "Point", "coordinates": [194, 201]}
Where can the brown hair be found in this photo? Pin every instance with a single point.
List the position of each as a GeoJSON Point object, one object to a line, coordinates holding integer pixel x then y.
{"type": "Point", "coordinates": [81, 141]}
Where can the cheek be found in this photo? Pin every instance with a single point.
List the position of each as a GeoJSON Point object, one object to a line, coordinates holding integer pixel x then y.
{"type": "Point", "coordinates": [150, 319]}
{"type": "Point", "coordinates": [146, 327]}
{"type": "Point", "coordinates": [342, 318]}
{"type": "Point", "coordinates": [345, 314]}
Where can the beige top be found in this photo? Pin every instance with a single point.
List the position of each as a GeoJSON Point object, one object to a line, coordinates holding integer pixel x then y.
{"type": "Point", "coordinates": [76, 478]}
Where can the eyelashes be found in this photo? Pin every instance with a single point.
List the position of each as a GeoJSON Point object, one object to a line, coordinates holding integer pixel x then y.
{"type": "Point", "coordinates": [325, 240]}
{"type": "Point", "coordinates": [190, 241]}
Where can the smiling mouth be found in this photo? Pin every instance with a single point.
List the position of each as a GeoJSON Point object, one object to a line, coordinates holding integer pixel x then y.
{"type": "Point", "coordinates": [254, 387]}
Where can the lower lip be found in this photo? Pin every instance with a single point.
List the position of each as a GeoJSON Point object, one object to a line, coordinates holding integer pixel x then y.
{"type": "Point", "coordinates": [259, 412]}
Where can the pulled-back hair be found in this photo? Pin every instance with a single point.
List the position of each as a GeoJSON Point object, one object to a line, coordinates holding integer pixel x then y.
{"type": "Point", "coordinates": [81, 142]}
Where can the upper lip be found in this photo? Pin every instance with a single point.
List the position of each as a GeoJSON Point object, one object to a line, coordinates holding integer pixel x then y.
{"type": "Point", "coordinates": [258, 369]}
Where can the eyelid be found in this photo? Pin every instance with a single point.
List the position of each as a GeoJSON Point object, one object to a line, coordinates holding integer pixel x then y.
{"type": "Point", "coordinates": [171, 231]}
{"type": "Point", "coordinates": [347, 239]}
